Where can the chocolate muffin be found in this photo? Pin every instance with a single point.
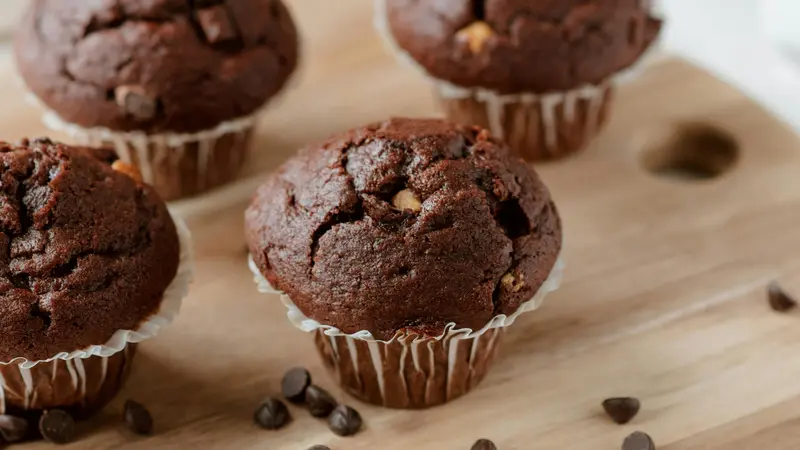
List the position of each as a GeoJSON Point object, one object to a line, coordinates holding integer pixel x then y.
{"type": "Point", "coordinates": [405, 231]}
{"type": "Point", "coordinates": [86, 251]}
{"type": "Point", "coordinates": [538, 73]}
{"type": "Point", "coordinates": [173, 86]}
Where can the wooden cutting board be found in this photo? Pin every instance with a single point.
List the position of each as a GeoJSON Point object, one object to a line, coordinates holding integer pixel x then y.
{"type": "Point", "coordinates": [664, 296]}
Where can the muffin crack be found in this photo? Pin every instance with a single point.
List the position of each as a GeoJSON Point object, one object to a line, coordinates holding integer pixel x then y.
{"type": "Point", "coordinates": [479, 9]}
{"type": "Point", "coordinates": [338, 216]}
{"type": "Point", "coordinates": [37, 312]}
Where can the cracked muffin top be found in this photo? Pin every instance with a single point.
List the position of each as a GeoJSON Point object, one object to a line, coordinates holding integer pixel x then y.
{"type": "Point", "coordinates": [513, 46]}
{"type": "Point", "coordinates": [84, 250]}
{"type": "Point", "coordinates": [405, 226]}
{"type": "Point", "coordinates": [155, 65]}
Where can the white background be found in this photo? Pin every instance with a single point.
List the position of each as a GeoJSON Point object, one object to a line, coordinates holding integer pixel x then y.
{"type": "Point", "coordinates": [753, 44]}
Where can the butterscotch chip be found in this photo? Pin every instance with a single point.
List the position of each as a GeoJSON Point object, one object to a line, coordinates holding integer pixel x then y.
{"type": "Point", "coordinates": [406, 199]}
{"type": "Point", "coordinates": [127, 169]}
{"type": "Point", "coordinates": [513, 283]}
{"type": "Point", "coordinates": [476, 35]}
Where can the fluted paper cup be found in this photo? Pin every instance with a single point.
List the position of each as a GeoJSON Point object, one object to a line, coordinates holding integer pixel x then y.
{"type": "Point", "coordinates": [177, 165]}
{"type": "Point", "coordinates": [83, 381]}
{"type": "Point", "coordinates": [537, 126]}
{"type": "Point", "coordinates": [410, 370]}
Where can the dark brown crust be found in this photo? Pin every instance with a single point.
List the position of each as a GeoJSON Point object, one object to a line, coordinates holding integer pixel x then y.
{"type": "Point", "coordinates": [537, 46]}
{"type": "Point", "coordinates": [322, 229]}
{"type": "Point", "coordinates": [85, 251]}
{"type": "Point", "coordinates": [189, 64]}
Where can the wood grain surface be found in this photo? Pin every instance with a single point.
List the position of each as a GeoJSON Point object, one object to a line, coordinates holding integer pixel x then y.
{"type": "Point", "coordinates": [664, 296]}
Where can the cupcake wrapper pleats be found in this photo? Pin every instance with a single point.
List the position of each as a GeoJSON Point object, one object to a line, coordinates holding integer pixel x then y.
{"type": "Point", "coordinates": [409, 371]}
{"type": "Point", "coordinates": [176, 165]}
{"type": "Point", "coordinates": [537, 127]}
{"type": "Point", "coordinates": [80, 386]}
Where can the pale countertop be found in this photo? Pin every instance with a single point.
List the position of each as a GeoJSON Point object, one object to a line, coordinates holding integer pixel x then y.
{"type": "Point", "coordinates": [10, 11]}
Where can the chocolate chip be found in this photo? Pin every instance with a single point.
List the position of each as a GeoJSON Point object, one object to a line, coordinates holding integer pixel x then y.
{"type": "Point", "coordinates": [295, 383]}
{"type": "Point", "coordinates": [216, 24]}
{"type": "Point", "coordinates": [12, 428]}
{"type": "Point", "coordinates": [138, 418]}
{"type": "Point", "coordinates": [484, 444]}
{"type": "Point", "coordinates": [320, 402]}
{"type": "Point", "coordinates": [621, 409]}
{"type": "Point", "coordinates": [345, 421]}
{"type": "Point", "coordinates": [638, 440]}
{"type": "Point", "coordinates": [779, 300]}
{"type": "Point", "coordinates": [272, 414]}
{"type": "Point", "coordinates": [57, 426]}
{"type": "Point", "coordinates": [136, 102]}
{"type": "Point", "coordinates": [319, 447]}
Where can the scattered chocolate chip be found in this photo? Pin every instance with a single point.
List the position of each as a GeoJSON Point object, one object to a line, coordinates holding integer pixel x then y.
{"type": "Point", "coordinates": [638, 440]}
{"type": "Point", "coordinates": [216, 24]}
{"type": "Point", "coordinates": [136, 102]}
{"type": "Point", "coordinates": [138, 418]}
{"type": "Point", "coordinates": [12, 428]}
{"type": "Point", "coordinates": [779, 300]}
{"type": "Point", "coordinates": [319, 447]}
{"type": "Point", "coordinates": [57, 426]}
{"type": "Point", "coordinates": [484, 444]}
{"type": "Point", "coordinates": [295, 383]}
{"type": "Point", "coordinates": [320, 402]}
{"type": "Point", "coordinates": [621, 409]}
{"type": "Point", "coordinates": [345, 421]}
{"type": "Point", "coordinates": [272, 414]}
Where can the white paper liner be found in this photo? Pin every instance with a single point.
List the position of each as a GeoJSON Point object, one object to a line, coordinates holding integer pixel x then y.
{"type": "Point", "coordinates": [307, 324]}
{"type": "Point", "coordinates": [392, 386]}
{"type": "Point", "coordinates": [450, 90]}
{"type": "Point", "coordinates": [169, 309]}
{"type": "Point", "coordinates": [549, 105]}
{"type": "Point", "coordinates": [167, 146]}
{"type": "Point", "coordinates": [39, 387]}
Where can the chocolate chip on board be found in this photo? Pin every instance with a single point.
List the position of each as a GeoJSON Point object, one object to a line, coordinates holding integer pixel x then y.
{"type": "Point", "coordinates": [272, 414]}
{"type": "Point", "coordinates": [621, 409]}
{"type": "Point", "coordinates": [138, 418]}
{"type": "Point", "coordinates": [484, 444]}
{"type": "Point", "coordinates": [57, 426]}
{"type": "Point", "coordinates": [320, 402]}
{"type": "Point", "coordinates": [319, 447]}
{"type": "Point", "coordinates": [13, 428]}
{"type": "Point", "coordinates": [345, 421]}
{"type": "Point", "coordinates": [294, 384]}
{"type": "Point", "coordinates": [779, 300]}
{"type": "Point", "coordinates": [638, 440]}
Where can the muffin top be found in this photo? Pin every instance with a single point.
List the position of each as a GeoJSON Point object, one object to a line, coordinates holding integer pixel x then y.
{"type": "Point", "coordinates": [405, 226]}
{"type": "Point", "coordinates": [84, 250]}
{"type": "Point", "coordinates": [155, 65]}
{"type": "Point", "coordinates": [514, 46]}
